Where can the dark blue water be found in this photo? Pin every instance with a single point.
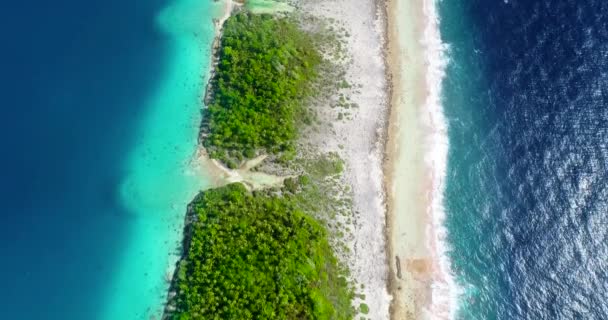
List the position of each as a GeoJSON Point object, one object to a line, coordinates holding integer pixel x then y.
{"type": "Point", "coordinates": [73, 78]}
{"type": "Point", "coordinates": [527, 198]}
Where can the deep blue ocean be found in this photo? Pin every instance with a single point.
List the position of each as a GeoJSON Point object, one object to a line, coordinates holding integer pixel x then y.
{"type": "Point", "coordinates": [526, 97]}
{"type": "Point", "coordinates": [74, 76]}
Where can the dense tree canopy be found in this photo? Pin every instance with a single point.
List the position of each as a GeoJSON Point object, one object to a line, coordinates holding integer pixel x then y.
{"type": "Point", "coordinates": [265, 67]}
{"type": "Point", "coordinates": [257, 256]}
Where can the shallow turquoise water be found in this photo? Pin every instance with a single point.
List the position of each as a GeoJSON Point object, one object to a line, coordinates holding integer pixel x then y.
{"type": "Point", "coordinates": [100, 110]}
{"type": "Point", "coordinates": [161, 179]}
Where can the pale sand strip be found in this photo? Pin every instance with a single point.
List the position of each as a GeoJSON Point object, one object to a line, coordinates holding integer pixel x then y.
{"type": "Point", "coordinates": [407, 180]}
{"type": "Point", "coordinates": [421, 280]}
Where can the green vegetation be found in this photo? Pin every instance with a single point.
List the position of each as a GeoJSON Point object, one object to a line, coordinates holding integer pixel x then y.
{"type": "Point", "coordinates": [266, 254]}
{"type": "Point", "coordinates": [258, 256]}
{"type": "Point", "coordinates": [265, 71]}
{"type": "Point", "coordinates": [364, 308]}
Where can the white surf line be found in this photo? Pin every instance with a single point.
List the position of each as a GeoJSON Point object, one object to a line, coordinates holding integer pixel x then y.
{"type": "Point", "coordinates": [444, 291]}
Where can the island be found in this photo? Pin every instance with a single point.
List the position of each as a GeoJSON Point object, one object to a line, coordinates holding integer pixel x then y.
{"type": "Point", "coordinates": [270, 252]}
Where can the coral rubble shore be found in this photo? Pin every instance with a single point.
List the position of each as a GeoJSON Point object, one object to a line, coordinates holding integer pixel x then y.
{"type": "Point", "coordinates": [360, 139]}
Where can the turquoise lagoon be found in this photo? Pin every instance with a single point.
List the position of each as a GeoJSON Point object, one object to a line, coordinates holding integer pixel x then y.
{"type": "Point", "coordinates": [162, 177]}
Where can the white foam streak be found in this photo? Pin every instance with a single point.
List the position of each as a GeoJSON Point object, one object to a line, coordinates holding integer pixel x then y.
{"type": "Point", "coordinates": [444, 290]}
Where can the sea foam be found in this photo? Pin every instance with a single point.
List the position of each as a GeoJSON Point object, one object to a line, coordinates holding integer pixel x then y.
{"type": "Point", "coordinates": [444, 290]}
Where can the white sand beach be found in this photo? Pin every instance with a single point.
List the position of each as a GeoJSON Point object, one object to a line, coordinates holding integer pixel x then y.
{"type": "Point", "coordinates": [415, 166]}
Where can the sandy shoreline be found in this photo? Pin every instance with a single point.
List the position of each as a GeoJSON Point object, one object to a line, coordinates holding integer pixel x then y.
{"type": "Point", "coordinates": [409, 257]}
{"type": "Point", "coordinates": [395, 150]}
{"type": "Point", "coordinates": [416, 154]}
